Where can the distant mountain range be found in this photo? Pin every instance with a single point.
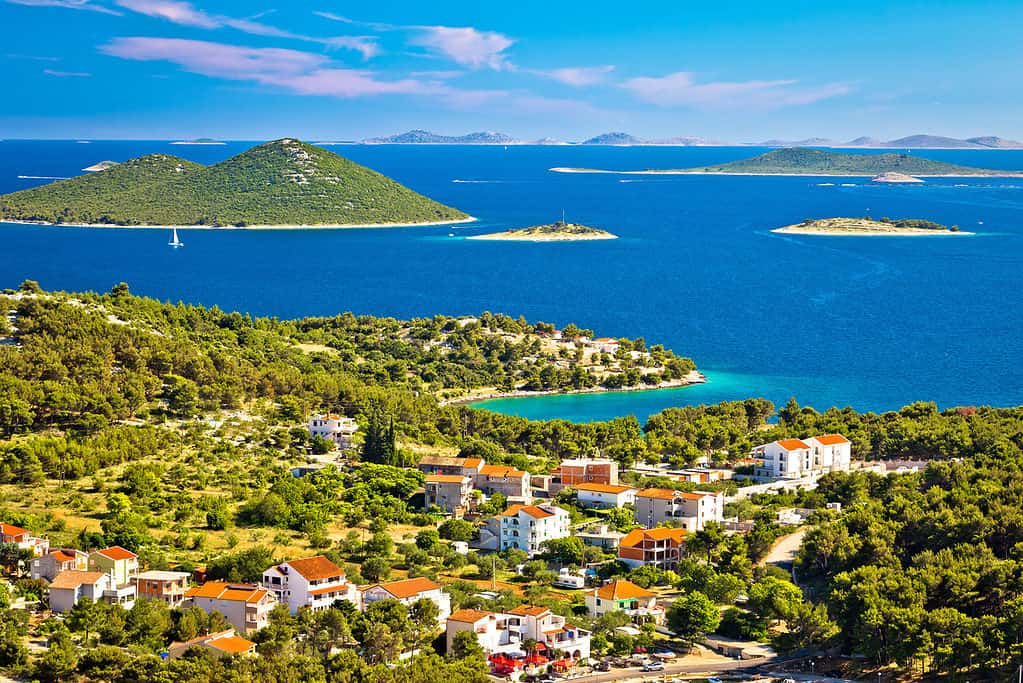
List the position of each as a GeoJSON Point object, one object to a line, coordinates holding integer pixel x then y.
{"type": "Point", "coordinates": [424, 137]}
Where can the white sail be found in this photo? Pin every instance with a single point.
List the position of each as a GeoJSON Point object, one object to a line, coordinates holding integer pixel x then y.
{"type": "Point", "coordinates": [175, 242]}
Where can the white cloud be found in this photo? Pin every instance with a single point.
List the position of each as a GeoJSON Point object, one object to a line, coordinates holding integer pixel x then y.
{"type": "Point", "coordinates": [66, 74]}
{"type": "Point", "coordinates": [466, 45]}
{"type": "Point", "coordinates": [578, 76]}
{"type": "Point", "coordinates": [68, 4]}
{"type": "Point", "coordinates": [680, 89]}
{"type": "Point", "coordinates": [185, 14]}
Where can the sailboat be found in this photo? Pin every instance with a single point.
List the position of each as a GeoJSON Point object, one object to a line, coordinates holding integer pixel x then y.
{"type": "Point", "coordinates": [174, 241]}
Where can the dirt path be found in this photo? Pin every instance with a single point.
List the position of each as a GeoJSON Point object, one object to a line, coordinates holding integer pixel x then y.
{"type": "Point", "coordinates": [783, 552]}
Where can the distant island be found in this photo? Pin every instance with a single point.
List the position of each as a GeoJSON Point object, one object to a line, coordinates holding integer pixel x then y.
{"type": "Point", "coordinates": [803, 161]}
{"type": "Point", "coordinates": [199, 141]}
{"type": "Point", "coordinates": [621, 139]}
{"type": "Point", "coordinates": [870, 227]}
{"type": "Point", "coordinates": [558, 231]}
{"type": "Point", "coordinates": [100, 166]}
{"type": "Point", "coordinates": [284, 183]}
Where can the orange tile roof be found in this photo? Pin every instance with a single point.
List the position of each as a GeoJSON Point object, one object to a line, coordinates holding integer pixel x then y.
{"type": "Point", "coordinates": [603, 488]}
{"type": "Point", "coordinates": [116, 552]}
{"type": "Point", "coordinates": [501, 471]}
{"type": "Point", "coordinates": [534, 511]}
{"type": "Point", "coordinates": [469, 616]}
{"type": "Point", "coordinates": [74, 579]}
{"type": "Point", "coordinates": [11, 530]}
{"type": "Point", "coordinates": [529, 610]}
{"type": "Point", "coordinates": [407, 587]}
{"type": "Point", "coordinates": [605, 339]}
{"type": "Point", "coordinates": [232, 645]}
{"type": "Point", "coordinates": [472, 462]}
{"type": "Point", "coordinates": [315, 568]}
{"type": "Point", "coordinates": [223, 590]}
{"type": "Point", "coordinates": [636, 536]}
{"type": "Point", "coordinates": [622, 590]}
{"type": "Point", "coordinates": [832, 439]}
{"type": "Point", "coordinates": [61, 556]}
{"type": "Point", "coordinates": [445, 479]}
{"type": "Point", "coordinates": [791, 444]}
{"type": "Point", "coordinates": [663, 494]}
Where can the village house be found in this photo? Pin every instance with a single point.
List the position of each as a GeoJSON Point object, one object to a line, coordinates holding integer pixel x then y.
{"type": "Point", "coordinates": [690, 510]}
{"type": "Point", "coordinates": [245, 606]}
{"type": "Point", "coordinates": [526, 527]}
{"type": "Point", "coordinates": [600, 536]}
{"type": "Point", "coordinates": [121, 565]}
{"type": "Point", "coordinates": [408, 592]}
{"type": "Point", "coordinates": [585, 471]}
{"type": "Point", "coordinates": [57, 561]}
{"type": "Point", "coordinates": [661, 547]}
{"type": "Point", "coordinates": [223, 644]}
{"type": "Point", "coordinates": [314, 583]}
{"type": "Point", "coordinates": [798, 458]}
{"type": "Point", "coordinates": [605, 345]}
{"type": "Point", "coordinates": [340, 430]}
{"type": "Point", "coordinates": [505, 632]}
{"type": "Point", "coordinates": [508, 481]}
{"type": "Point", "coordinates": [68, 587]}
{"type": "Point", "coordinates": [452, 493]}
{"type": "Point", "coordinates": [24, 539]}
{"type": "Point", "coordinates": [625, 596]}
{"type": "Point", "coordinates": [463, 467]}
{"type": "Point", "coordinates": [165, 586]}
{"type": "Point", "coordinates": [602, 496]}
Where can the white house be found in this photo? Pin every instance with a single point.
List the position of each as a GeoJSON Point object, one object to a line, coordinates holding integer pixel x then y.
{"type": "Point", "coordinates": [505, 632]}
{"type": "Point", "coordinates": [247, 607]}
{"type": "Point", "coordinates": [24, 539]}
{"type": "Point", "coordinates": [313, 582]}
{"type": "Point", "coordinates": [334, 428]}
{"type": "Point", "coordinates": [526, 527]}
{"type": "Point", "coordinates": [68, 587]}
{"type": "Point", "coordinates": [690, 510]}
{"type": "Point", "coordinates": [604, 495]}
{"type": "Point", "coordinates": [625, 596]}
{"type": "Point", "coordinates": [57, 561]}
{"type": "Point", "coordinates": [798, 458]}
{"type": "Point", "coordinates": [408, 592]}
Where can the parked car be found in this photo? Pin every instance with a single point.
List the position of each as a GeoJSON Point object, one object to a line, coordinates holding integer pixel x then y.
{"type": "Point", "coordinates": [655, 666]}
{"type": "Point", "coordinates": [713, 679]}
{"type": "Point", "coordinates": [602, 666]}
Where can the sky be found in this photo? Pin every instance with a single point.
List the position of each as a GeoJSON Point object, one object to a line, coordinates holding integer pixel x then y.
{"type": "Point", "coordinates": [329, 70]}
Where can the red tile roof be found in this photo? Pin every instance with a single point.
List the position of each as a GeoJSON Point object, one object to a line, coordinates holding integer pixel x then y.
{"type": "Point", "coordinates": [445, 479]}
{"type": "Point", "coordinates": [636, 536]}
{"type": "Point", "coordinates": [501, 471]}
{"type": "Point", "coordinates": [223, 590]}
{"type": "Point", "coordinates": [663, 494]}
{"type": "Point", "coordinates": [791, 444]}
{"type": "Point", "coordinates": [232, 645]}
{"type": "Point", "coordinates": [316, 568]}
{"type": "Point", "coordinates": [534, 511]}
{"type": "Point", "coordinates": [406, 588]}
{"type": "Point", "coordinates": [622, 590]}
{"type": "Point", "coordinates": [116, 552]}
{"type": "Point", "coordinates": [11, 530]}
{"type": "Point", "coordinates": [832, 439]}
{"type": "Point", "coordinates": [529, 610]}
{"type": "Point", "coordinates": [469, 616]}
{"type": "Point", "coordinates": [603, 488]}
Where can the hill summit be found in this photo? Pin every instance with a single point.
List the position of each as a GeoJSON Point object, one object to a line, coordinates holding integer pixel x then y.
{"type": "Point", "coordinates": [285, 182]}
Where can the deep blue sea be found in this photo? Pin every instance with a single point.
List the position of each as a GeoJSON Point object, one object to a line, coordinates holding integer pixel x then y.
{"type": "Point", "coordinates": [874, 323]}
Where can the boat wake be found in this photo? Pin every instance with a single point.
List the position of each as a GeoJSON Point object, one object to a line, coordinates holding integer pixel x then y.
{"type": "Point", "coordinates": [42, 177]}
{"type": "Point", "coordinates": [478, 182]}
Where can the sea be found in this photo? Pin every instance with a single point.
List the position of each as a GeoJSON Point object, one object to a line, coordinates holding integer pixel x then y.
{"type": "Point", "coordinates": [872, 323]}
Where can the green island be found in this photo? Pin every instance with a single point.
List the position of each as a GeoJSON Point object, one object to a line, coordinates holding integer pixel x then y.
{"type": "Point", "coordinates": [804, 161]}
{"type": "Point", "coordinates": [178, 434]}
{"type": "Point", "coordinates": [867, 226]}
{"type": "Point", "coordinates": [558, 231]}
{"type": "Point", "coordinates": [283, 183]}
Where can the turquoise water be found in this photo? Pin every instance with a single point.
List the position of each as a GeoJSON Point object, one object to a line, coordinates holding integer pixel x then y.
{"type": "Point", "coordinates": [871, 323]}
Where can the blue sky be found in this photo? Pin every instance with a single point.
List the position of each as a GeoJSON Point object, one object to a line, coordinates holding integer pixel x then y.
{"type": "Point", "coordinates": [328, 70]}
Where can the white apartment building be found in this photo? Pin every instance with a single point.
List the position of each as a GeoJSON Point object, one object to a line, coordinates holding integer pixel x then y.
{"type": "Point", "coordinates": [798, 458]}
{"type": "Point", "coordinates": [247, 607]}
{"type": "Point", "coordinates": [690, 510]}
{"type": "Point", "coordinates": [334, 428]}
{"type": "Point", "coordinates": [313, 582]}
{"type": "Point", "coordinates": [505, 632]}
{"type": "Point", "coordinates": [526, 527]}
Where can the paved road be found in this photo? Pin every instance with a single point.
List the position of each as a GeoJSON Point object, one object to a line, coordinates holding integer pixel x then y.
{"type": "Point", "coordinates": [710, 668]}
{"type": "Point", "coordinates": [783, 552]}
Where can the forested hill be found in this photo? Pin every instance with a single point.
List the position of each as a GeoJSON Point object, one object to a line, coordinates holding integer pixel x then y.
{"type": "Point", "coordinates": [284, 182]}
{"type": "Point", "coordinates": [822, 162]}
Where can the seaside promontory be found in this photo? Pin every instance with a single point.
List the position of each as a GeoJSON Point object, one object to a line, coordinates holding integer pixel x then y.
{"type": "Point", "coordinates": [282, 183]}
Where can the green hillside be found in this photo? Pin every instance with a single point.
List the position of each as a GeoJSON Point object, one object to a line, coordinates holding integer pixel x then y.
{"type": "Point", "coordinates": [822, 162]}
{"type": "Point", "coordinates": [284, 182]}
